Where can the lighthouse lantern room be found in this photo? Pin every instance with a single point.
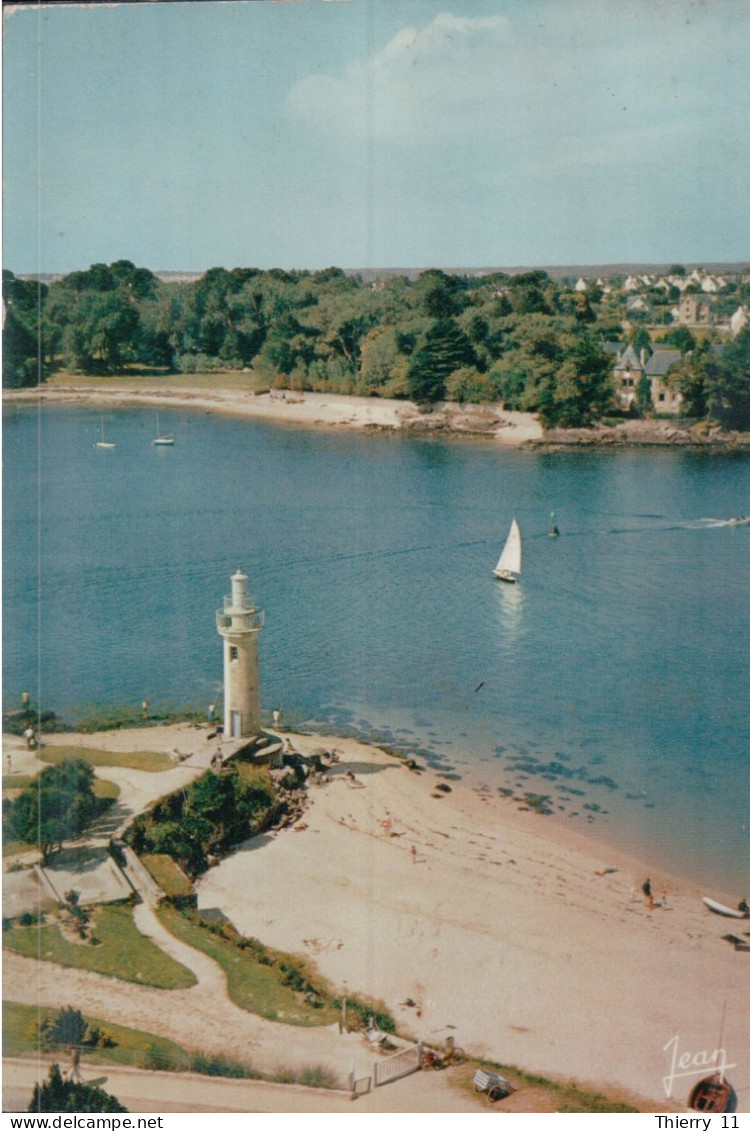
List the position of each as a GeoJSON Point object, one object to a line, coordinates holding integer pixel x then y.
{"type": "Point", "coordinates": [239, 623]}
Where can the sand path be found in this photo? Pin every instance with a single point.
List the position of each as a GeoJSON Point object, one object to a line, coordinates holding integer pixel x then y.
{"type": "Point", "coordinates": [143, 1091]}
{"type": "Point", "coordinates": [200, 1019]}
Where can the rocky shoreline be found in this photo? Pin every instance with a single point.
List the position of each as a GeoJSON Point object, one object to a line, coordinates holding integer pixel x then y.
{"type": "Point", "coordinates": [371, 414]}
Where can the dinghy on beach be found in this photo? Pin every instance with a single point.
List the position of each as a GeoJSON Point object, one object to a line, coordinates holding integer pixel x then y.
{"type": "Point", "coordinates": [713, 1093]}
{"type": "Point", "coordinates": [722, 909]}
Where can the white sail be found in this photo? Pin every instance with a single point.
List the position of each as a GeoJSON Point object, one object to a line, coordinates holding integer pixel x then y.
{"type": "Point", "coordinates": [162, 441]}
{"type": "Point", "coordinates": [510, 559]}
{"type": "Point", "coordinates": [102, 443]}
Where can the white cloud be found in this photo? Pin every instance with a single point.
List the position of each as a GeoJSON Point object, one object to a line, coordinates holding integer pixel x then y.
{"type": "Point", "coordinates": [576, 76]}
{"type": "Point", "coordinates": [422, 80]}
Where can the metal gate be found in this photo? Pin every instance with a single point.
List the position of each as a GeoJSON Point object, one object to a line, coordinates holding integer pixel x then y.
{"type": "Point", "coordinates": [399, 1064]}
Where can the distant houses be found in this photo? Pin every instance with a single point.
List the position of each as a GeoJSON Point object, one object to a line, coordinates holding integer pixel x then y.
{"type": "Point", "coordinates": [739, 321]}
{"type": "Point", "coordinates": [695, 310]}
{"type": "Point", "coordinates": [700, 299]}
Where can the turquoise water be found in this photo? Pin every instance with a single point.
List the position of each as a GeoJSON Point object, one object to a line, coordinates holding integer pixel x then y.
{"type": "Point", "coordinates": [613, 679]}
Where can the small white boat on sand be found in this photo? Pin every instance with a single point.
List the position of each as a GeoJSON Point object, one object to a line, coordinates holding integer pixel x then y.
{"type": "Point", "coordinates": [508, 566]}
{"type": "Point", "coordinates": [722, 909]}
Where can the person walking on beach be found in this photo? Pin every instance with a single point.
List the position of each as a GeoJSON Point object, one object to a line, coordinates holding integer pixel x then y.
{"type": "Point", "coordinates": [647, 894]}
{"type": "Point", "coordinates": [74, 1074]}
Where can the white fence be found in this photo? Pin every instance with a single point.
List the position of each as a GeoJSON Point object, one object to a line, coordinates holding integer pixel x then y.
{"type": "Point", "coordinates": [399, 1064]}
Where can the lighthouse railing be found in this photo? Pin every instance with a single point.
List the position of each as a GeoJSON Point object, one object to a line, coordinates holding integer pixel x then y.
{"type": "Point", "coordinates": [229, 603]}
{"type": "Point", "coordinates": [242, 621]}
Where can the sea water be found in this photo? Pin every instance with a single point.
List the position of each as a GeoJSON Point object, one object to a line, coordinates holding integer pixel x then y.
{"type": "Point", "coordinates": [613, 680]}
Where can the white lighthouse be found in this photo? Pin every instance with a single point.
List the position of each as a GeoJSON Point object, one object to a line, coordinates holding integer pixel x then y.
{"type": "Point", "coordinates": [239, 623]}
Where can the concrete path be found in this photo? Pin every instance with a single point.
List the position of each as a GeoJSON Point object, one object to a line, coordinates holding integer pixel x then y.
{"type": "Point", "coordinates": [166, 1092]}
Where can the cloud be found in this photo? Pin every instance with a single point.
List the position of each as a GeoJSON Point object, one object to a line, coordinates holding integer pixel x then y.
{"type": "Point", "coordinates": [422, 80]}
{"type": "Point", "coordinates": [571, 111]}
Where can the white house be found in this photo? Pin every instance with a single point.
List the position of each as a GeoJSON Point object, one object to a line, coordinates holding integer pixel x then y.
{"type": "Point", "coordinates": [739, 321]}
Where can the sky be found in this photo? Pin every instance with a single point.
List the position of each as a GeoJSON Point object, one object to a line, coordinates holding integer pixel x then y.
{"type": "Point", "coordinates": [376, 133]}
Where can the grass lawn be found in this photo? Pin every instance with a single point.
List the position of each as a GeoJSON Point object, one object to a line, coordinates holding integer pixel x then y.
{"type": "Point", "coordinates": [123, 952]}
{"type": "Point", "coordinates": [149, 760]}
{"type": "Point", "coordinates": [251, 985]}
{"type": "Point", "coordinates": [13, 782]}
{"type": "Point", "coordinates": [147, 379]}
{"type": "Point", "coordinates": [170, 878]}
{"type": "Point", "coordinates": [108, 789]}
{"type": "Point", "coordinates": [16, 847]}
{"type": "Point", "coordinates": [131, 1046]}
{"type": "Point", "coordinates": [13, 786]}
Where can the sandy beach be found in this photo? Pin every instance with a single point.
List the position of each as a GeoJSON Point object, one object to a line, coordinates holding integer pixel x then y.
{"type": "Point", "coordinates": [282, 406]}
{"type": "Point", "coordinates": [528, 943]}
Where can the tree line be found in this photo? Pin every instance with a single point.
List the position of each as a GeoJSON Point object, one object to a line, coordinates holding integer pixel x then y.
{"type": "Point", "coordinates": [525, 340]}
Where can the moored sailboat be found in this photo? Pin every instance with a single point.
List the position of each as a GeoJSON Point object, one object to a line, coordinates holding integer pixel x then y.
{"type": "Point", "coordinates": [101, 442]}
{"type": "Point", "coordinates": [508, 566]}
{"type": "Point", "coordinates": [162, 441]}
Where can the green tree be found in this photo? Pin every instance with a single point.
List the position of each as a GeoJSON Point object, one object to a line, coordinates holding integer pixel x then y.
{"type": "Point", "coordinates": [728, 383]}
{"type": "Point", "coordinates": [582, 390]}
{"type": "Point", "coordinates": [440, 295]}
{"type": "Point", "coordinates": [23, 344]}
{"type": "Point", "coordinates": [468, 386]}
{"type": "Point", "coordinates": [213, 813]}
{"type": "Point", "coordinates": [446, 348]}
{"type": "Point", "coordinates": [640, 339]}
{"type": "Point", "coordinates": [58, 806]}
{"type": "Point", "coordinates": [643, 395]}
{"type": "Point", "coordinates": [58, 1095]}
{"type": "Point", "coordinates": [690, 378]}
{"type": "Point", "coordinates": [102, 333]}
{"type": "Point", "coordinates": [681, 338]}
{"type": "Point", "coordinates": [67, 1029]}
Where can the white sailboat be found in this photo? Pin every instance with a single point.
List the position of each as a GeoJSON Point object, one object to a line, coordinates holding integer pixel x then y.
{"type": "Point", "coordinates": [508, 566]}
{"type": "Point", "coordinates": [102, 443]}
{"type": "Point", "coordinates": [164, 441]}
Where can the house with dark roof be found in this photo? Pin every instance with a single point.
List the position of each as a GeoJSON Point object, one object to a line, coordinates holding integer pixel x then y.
{"type": "Point", "coordinates": [627, 372]}
{"type": "Point", "coordinates": [664, 397]}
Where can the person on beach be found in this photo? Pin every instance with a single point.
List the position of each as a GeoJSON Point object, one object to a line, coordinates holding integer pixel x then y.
{"type": "Point", "coordinates": [28, 734]}
{"type": "Point", "coordinates": [211, 712]}
{"type": "Point", "coordinates": [276, 717]}
{"type": "Point", "coordinates": [648, 894]}
{"type": "Point", "coordinates": [744, 907]}
{"type": "Point", "coordinates": [74, 1072]}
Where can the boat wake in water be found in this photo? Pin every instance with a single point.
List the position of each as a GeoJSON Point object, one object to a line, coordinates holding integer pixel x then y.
{"type": "Point", "coordinates": [716, 523]}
